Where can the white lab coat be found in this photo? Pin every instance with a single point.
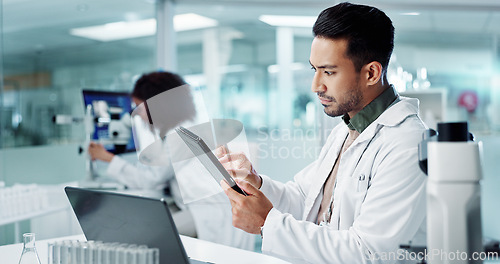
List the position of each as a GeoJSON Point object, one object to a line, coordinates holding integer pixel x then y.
{"type": "Point", "coordinates": [379, 198]}
{"type": "Point", "coordinates": [139, 176]}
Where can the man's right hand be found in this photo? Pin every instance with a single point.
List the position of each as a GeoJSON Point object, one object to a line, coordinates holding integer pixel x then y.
{"type": "Point", "coordinates": [238, 166]}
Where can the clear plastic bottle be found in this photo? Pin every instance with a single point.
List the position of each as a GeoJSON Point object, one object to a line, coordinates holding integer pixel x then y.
{"type": "Point", "coordinates": [29, 255]}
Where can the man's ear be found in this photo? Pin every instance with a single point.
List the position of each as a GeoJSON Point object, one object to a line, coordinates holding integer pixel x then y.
{"type": "Point", "coordinates": [373, 72]}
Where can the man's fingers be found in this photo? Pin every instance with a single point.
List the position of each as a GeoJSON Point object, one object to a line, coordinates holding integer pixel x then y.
{"type": "Point", "coordinates": [220, 152]}
{"type": "Point", "coordinates": [239, 156]}
{"type": "Point", "coordinates": [237, 160]}
{"type": "Point", "coordinates": [224, 185]}
{"type": "Point", "coordinates": [227, 165]}
{"type": "Point", "coordinates": [225, 157]}
{"type": "Point", "coordinates": [247, 187]}
{"type": "Point", "coordinates": [233, 195]}
{"type": "Point", "coordinates": [238, 173]}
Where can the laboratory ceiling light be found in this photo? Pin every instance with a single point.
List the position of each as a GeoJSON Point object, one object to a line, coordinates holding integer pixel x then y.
{"type": "Point", "coordinates": [140, 28]}
{"type": "Point", "coordinates": [288, 21]}
{"type": "Point", "coordinates": [192, 21]}
{"type": "Point", "coordinates": [117, 30]}
{"type": "Point", "coordinates": [411, 14]}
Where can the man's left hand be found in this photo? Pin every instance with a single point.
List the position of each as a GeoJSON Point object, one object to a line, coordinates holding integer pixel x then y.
{"type": "Point", "coordinates": [249, 212]}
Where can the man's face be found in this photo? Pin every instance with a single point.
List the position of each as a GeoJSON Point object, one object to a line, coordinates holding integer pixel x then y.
{"type": "Point", "coordinates": [336, 80]}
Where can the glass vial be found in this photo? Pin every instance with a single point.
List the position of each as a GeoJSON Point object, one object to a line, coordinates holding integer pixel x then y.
{"type": "Point", "coordinates": [29, 255]}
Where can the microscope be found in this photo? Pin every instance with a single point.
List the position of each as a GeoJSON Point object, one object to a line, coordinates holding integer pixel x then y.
{"type": "Point", "coordinates": [119, 131]}
{"type": "Point", "coordinates": [88, 122]}
{"type": "Point", "coordinates": [109, 124]}
{"type": "Point", "coordinates": [452, 161]}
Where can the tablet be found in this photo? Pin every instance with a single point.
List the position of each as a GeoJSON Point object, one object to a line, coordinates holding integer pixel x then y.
{"type": "Point", "coordinates": [207, 158]}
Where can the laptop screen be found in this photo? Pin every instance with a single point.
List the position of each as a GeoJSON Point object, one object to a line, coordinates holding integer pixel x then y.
{"type": "Point", "coordinates": [114, 217]}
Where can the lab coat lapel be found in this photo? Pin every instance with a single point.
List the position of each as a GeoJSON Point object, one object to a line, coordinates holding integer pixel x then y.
{"type": "Point", "coordinates": [355, 152]}
{"type": "Point", "coordinates": [348, 164]}
{"type": "Point", "coordinates": [315, 195]}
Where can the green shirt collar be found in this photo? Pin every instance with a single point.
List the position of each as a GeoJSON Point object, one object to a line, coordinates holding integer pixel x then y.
{"type": "Point", "coordinates": [372, 111]}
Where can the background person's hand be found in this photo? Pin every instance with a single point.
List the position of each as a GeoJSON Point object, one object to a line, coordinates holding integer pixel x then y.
{"type": "Point", "coordinates": [238, 166]}
{"type": "Point", "coordinates": [249, 212]}
{"type": "Point", "coordinates": [97, 151]}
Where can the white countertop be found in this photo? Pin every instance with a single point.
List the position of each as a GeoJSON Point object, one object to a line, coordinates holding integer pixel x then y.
{"type": "Point", "coordinates": [195, 248]}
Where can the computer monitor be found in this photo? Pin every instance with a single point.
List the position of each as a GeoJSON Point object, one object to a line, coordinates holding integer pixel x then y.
{"type": "Point", "coordinates": [111, 115]}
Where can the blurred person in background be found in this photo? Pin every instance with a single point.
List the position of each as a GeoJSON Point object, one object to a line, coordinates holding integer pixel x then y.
{"type": "Point", "coordinates": [208, 219]}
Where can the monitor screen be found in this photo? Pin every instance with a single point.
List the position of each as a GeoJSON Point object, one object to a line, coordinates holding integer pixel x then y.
{"type": "Point", "coordinates": [111, 115]}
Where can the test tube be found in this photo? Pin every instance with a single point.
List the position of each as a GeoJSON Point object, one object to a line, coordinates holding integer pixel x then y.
{"type": "Point", "coordinates": [141, 254]}
{"type": "Point", "coordinates": [73, 247]}
{"type": "Point", "coordinates": [90, 254]}
{"type": "Point", "coordinates": [101, 259]}
{"type": "Point", "coordinates": [81, 251]}
{"type": "Point", "coordinates": [153, 256]}
{"type": "Point", "coordinates": [50, 253]}
{"type": "Point", "coordinates": [56, 253]}
{"type": "Point", "coordinates": [132, 252]}
{"type": "Point", "coordinates": [64, 252]}
{"type": "Point", "coordinates": [122, 251]}
{"type": "Point", "coordinates": [106, 254]}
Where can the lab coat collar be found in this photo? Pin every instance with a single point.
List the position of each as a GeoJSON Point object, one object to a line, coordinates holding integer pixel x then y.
{"type": "Point", "coordinates": [372, 111]}
{"type": "Point", "coordinates": [402, 109]}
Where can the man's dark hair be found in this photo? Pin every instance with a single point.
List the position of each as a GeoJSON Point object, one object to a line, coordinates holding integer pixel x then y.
{"type": "Point", "coordinates": [151, 84]}
{"type": "Point", "coordinates": [369, 32]}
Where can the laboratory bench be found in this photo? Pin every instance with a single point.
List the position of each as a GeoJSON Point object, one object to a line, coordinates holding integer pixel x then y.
{"type": "Point", "coordinates": [195, 248]}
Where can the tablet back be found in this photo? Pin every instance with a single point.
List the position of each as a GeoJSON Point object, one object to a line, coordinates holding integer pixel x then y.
{"type": "Point", "coordinates": [207, 158]}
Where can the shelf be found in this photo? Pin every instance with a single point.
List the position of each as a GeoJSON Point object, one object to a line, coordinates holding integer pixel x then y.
{"type": "Point", "coordinates": [50, 210]}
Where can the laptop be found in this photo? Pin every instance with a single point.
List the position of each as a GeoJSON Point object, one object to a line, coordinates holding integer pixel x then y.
{"type": "Point", "coordinates": [116, 217]}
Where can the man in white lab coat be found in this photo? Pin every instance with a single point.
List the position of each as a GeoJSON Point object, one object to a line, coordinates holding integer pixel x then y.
{"type": "Point", "coordinates": [365, 195]}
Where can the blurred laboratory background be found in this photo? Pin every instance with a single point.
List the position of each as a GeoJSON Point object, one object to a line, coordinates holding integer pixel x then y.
{"type": "Point", "coordinates": [249, 60]}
